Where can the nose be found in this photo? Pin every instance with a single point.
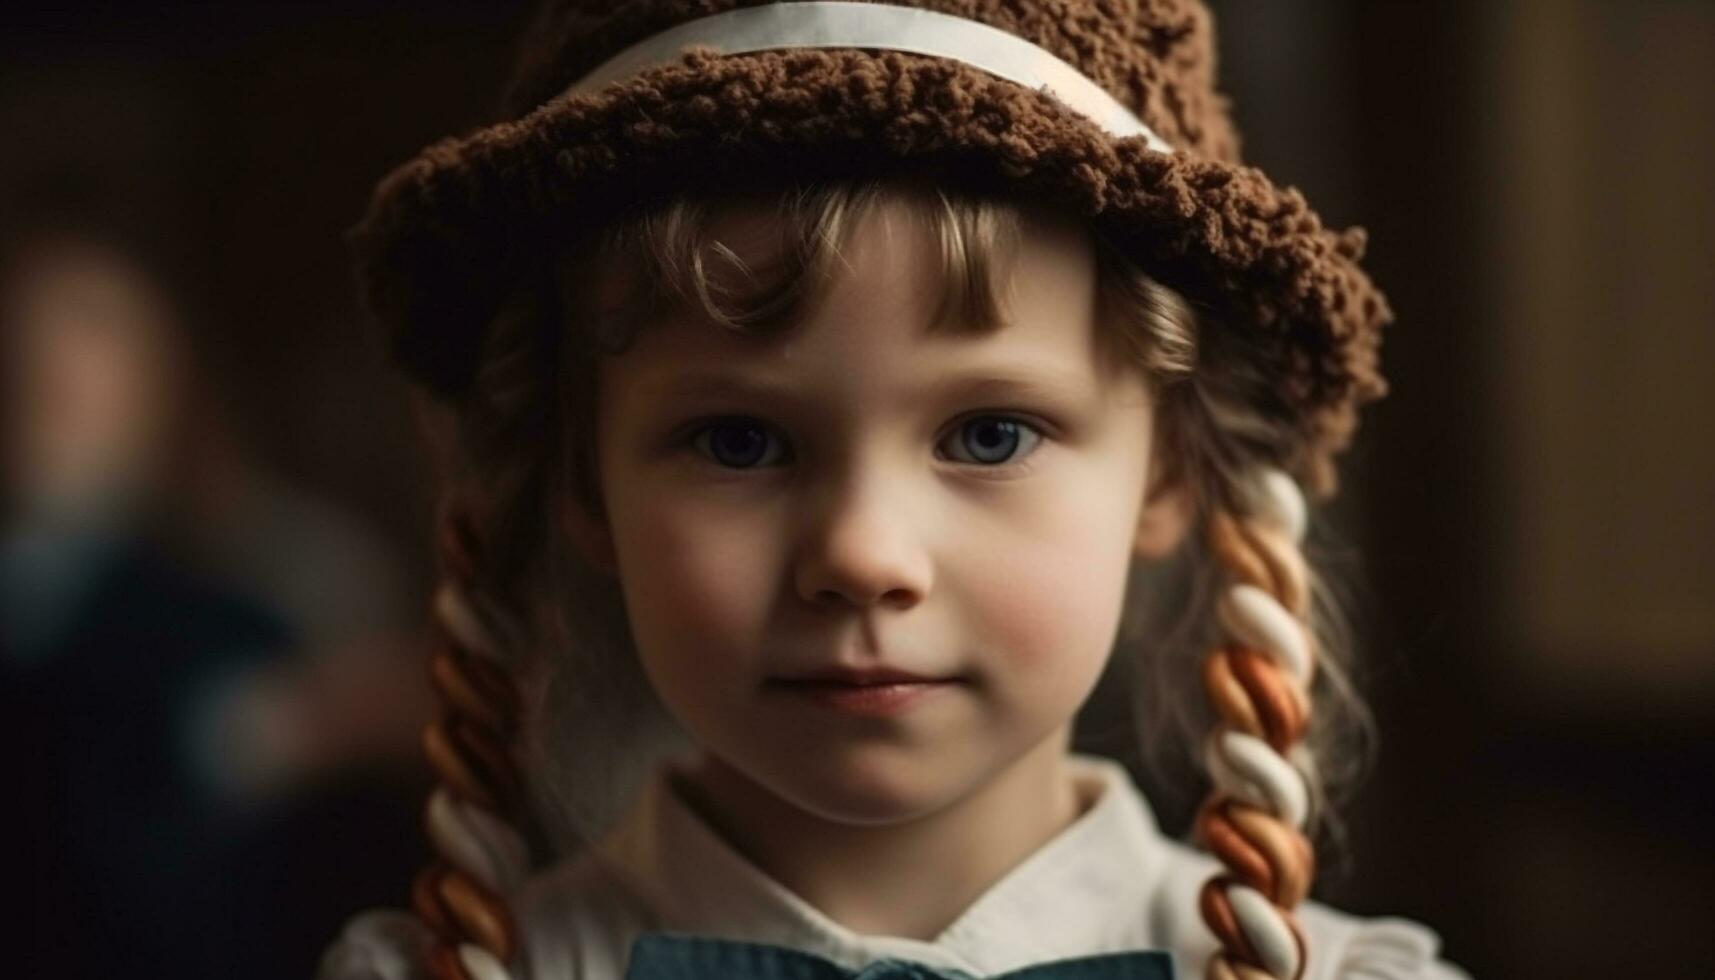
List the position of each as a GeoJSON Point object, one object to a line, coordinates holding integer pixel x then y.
{"type": "Point", "coordinates": [859, 548]}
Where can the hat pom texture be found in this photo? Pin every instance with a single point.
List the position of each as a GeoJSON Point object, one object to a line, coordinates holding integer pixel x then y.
{"type": "Point", "coordinates": [449, 232]}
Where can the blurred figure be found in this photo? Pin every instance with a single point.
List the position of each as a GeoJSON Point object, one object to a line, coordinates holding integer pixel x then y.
{"type": "Point", "coordinates": [191, 654]}
{"type": "Point", "coordinates": [111, 645]}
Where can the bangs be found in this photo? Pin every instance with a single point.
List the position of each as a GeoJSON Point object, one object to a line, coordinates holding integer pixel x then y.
{"type": "Point", "coordinates": [689, 257]}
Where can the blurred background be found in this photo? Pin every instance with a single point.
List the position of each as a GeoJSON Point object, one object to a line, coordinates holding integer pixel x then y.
{"type": "Point", "coordinates": [214, 554]}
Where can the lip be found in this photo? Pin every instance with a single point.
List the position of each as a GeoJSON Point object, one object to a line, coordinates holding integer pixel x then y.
{"type": "Point", "coordinates": [870, 692]}
{"type": "Point", "coordinates": [864, 699]}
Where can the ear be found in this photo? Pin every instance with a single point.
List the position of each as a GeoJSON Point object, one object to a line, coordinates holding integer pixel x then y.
{"type": "Point", "coordinates": [591, 537]}
{"type": "Point", "coordinates": [1165, 518]}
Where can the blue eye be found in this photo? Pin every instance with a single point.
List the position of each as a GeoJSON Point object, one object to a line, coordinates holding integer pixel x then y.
{"type": "Point", "coordinates": [993, 439]}
{"type": "Point", "coordinates": [984, 440]}
{"type": "Point", "coordinates": [735, 443]}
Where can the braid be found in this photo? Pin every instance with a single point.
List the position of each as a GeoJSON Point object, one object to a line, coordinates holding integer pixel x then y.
{"type": "Point", "coordinates": [1258, 681]}
{"type": "Point", "coordinates": [480, 857]}
{"type": "Point", "coordinates": [478, 817]}
{"type": "Point", "coordinates": [1279, 642]}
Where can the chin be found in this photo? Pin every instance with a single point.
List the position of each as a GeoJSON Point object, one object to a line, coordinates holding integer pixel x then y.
{"type": "Point", "coordinates": [870, 787]}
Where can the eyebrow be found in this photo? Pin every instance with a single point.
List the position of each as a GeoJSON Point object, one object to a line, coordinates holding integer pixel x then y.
{"type": "Point", "coordinates": [1055, 385]}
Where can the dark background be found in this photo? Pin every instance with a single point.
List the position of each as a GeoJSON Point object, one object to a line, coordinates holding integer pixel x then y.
{"type": "Point", "coordinates": [1528, 512]}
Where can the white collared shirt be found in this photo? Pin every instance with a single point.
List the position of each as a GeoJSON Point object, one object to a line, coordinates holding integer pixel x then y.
{"type": "Point", "coordinates": [1110, 882]}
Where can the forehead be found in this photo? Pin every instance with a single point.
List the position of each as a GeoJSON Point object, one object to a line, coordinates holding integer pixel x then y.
{"type": "Point", "coordinates": [873, 325]}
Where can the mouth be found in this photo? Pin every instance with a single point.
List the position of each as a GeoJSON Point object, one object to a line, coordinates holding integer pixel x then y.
{"type": "Point", "coordinates": [873, 691]}
{"type": "Point", "coordinates": [861, 677]}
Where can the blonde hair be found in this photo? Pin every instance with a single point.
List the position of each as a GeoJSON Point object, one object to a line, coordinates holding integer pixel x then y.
{"type": "Point", "coordinates": [519, 449]}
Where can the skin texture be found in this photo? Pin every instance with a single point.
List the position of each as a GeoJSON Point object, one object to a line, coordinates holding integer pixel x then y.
{"type": "Point", "coordinates": [874, 527]}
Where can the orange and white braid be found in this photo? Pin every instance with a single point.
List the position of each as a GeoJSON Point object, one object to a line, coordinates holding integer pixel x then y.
{"type": "Point", "coordinates": [1258, 680]}
{"type": "Point", "coordinates": [481, 856]}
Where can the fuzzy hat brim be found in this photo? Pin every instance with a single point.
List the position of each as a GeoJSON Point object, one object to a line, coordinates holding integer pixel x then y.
{"type": "Point", "coordinates": [449, 232]}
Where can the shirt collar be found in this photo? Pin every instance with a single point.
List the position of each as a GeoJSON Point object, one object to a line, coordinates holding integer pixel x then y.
{"type": "Point", "coordinates": [1075, 895]}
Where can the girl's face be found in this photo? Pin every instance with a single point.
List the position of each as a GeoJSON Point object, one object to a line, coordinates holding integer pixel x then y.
{"type": "Point", "coordinates": [859, 494]}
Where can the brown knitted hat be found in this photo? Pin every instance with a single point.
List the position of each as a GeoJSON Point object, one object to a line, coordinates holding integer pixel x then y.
{"type": "Point", "coordinates": [449, 232]}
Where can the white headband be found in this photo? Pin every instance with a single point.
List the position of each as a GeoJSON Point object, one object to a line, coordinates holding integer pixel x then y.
{"type": "Point", "coordinates": [888, 27]}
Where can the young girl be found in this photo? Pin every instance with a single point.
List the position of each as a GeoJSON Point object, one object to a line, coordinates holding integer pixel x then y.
{"type": "Point", "coordinates": [835, 392]}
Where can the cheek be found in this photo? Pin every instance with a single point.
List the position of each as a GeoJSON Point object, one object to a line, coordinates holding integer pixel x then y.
{"type": "Point", "coordinates": [697, 583]}
{"type": "Point", "coordinates": [1049, 583]}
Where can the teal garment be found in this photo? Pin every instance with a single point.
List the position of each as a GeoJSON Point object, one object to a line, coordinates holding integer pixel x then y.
{"type": "Point", "coordinates": [662, 956]}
